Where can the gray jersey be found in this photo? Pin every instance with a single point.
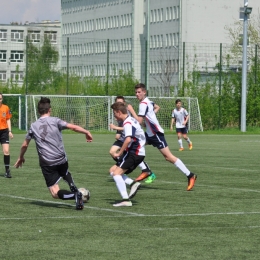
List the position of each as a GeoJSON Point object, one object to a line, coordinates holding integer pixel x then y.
{"type": "Point", "coordinates": [46, 132]}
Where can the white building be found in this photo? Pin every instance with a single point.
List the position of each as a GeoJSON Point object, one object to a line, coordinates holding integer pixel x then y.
{"type": "Point", "coordinates": [13, 45]}
{"type": "Point", "coordinates": [146, 35]}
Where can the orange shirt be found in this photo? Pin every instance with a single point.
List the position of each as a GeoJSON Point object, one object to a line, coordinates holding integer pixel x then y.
{"type": "Point", "coordinates": [5, 114]}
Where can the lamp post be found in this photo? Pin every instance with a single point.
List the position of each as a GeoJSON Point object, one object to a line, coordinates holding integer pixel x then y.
{"type": "Point", "coordinates": [247, 12]}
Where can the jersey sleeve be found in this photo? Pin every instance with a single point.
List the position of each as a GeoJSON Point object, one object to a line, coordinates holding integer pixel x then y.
{"type": "Point", "coordinates": [61, 124]}
{"type": "Point", "coordinates": [185, 112]}
{"type": "Point", "coordinates": [8, 113]}
{"type": "Point", "coordinates": [142, 109]}
{"type": "Point", "coordinates": [129, 130]}
{"type": "Point", "coordinates": [173, 115]}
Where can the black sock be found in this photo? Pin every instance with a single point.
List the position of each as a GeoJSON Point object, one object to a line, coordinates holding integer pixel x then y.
{"type": "Point", "coordinates": [66, 195]}
{"type": "Point", "coordinates": [69, 180]}
{"type": "Point", "coordinates": [191, 175]}
{"type": "Point", "coordinates": [7, 162]}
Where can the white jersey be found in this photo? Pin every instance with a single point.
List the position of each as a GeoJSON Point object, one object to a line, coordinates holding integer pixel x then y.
{"type": "Point", "coordinates": [146, 110]}
{"type": "Point", "coordinates": [133, 129]}
{"type": "Point", "coordinates": [180, 116]}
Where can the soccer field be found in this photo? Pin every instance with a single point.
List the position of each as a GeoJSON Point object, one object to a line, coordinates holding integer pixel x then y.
{"type": "Point", "coordinates": [218, 219]}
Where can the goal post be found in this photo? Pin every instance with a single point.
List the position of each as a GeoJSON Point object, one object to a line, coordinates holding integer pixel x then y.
{"type": "Point", "coordinates": [94, 112]}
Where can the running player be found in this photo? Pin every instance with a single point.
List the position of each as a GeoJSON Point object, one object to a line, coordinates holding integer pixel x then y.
{"type": "Point", "coordinates": [155, 134]}
{"type": "Point", "coordinates": [130, 155]}
{"type": "Point", "coordinates": [46, 132]}
{"type": "Point", "coordinates": [146, 172]}
{"type": "Point", "coordinates": [180, 117]}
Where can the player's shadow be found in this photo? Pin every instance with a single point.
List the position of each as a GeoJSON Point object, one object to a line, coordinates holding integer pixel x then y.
{"type": "Point", "coordinates": [52, 205]}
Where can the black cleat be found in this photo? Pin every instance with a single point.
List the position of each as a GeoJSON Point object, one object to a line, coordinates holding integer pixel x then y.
{"type": "Point", "coordinates": [79, 201]}
{"type": "Point", "coordinates": [8, 174]}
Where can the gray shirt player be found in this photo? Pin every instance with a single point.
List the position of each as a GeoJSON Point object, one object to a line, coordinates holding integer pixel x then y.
{"type": "Point", "coordinates": [46, 132]}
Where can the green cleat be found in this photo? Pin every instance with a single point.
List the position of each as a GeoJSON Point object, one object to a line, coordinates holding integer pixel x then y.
{"type": "Point", "coordinates": [151, 178]}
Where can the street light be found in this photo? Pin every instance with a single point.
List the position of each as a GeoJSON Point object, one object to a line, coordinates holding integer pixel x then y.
{"type": "Point", "coordinates": [247, 11]}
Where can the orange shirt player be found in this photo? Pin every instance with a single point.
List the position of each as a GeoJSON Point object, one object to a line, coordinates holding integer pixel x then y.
{"type": "Point", "coordinates": [5, 133]}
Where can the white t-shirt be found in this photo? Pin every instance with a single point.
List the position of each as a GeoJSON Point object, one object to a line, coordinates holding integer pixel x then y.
{"type": "Point", "coordinates": [180, 116]}
{"type": "Point", "coordinates": [133, 129]}
{"type": "Point", "coordinates": [146, 110]}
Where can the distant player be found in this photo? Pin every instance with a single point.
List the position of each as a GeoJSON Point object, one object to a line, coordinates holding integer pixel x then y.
{"type": "Point", "coordinates": [146, 172]}
{"type": "Point", "coordinates": [46, 132]}
{"type": "Point", "coordinates": [130, 155]}
{"type": "Point", "coordinates": [180, 118]}
{"type": "Point", "coordinates": [5, 134]}
{"type": "Point", "coordinates": [155, 133]}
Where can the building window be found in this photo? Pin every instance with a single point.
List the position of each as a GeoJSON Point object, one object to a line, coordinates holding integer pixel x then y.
{"type": "Point", "coordinates": [2, 75]}
{"type": "Point", "coordinates": [34, 36]}
{"type": "Point", "coordinates": [16, 36]}
{"type": "Point", "coordinates": [52, 35]}
{"type": "Point", "coordinates": [17, 76]}
{"type": "Point", "coordinates": [2, 56]}
{"type": "Point", "coordinates": [16, 56]}
{"type": "Point", "coordinates": [3, 35]}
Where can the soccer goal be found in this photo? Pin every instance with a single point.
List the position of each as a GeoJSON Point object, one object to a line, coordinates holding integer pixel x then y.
{"type": "Point", "coordinates": [94, 112]}
{"type": "Point", "coordinates": [167, 104]}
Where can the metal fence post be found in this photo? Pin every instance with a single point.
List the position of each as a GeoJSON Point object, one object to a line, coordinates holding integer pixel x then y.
{"type": "Point", "coordinates": [220, 83]}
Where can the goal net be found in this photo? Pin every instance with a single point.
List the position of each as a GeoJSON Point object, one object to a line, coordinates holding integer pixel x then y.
{"type": "Point", "coordinates": [94, 112]}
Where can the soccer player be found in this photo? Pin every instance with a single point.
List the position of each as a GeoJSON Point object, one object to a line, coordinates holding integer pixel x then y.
{"type": "Point", "coordinates": [146, 172]}
{"type": "Point", "coordinates": [155, 134]}
{"type": "Point", "coordinates": [46, 132]}
{"type": "Point", "coordinates": [180, 117]}
{"type": "Point", "coordinates": [130, 155]}
{"type": "Point", "coordinates": [5, 133]}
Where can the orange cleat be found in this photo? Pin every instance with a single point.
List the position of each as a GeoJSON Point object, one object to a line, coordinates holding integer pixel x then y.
{"type": "Point", "coordinates": [190, 145]}
{"type": "Point", "coordinates": [191, 182]}
{"type": "Point", "coordinates": [142, 176]}
{"type": "Point", "coordinates": [181, 149]}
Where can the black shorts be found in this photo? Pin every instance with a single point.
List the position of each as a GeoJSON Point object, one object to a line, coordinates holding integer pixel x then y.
{"type": "Point", "coordinates": [157, 140]}
{"type": "Point", "coordinates": [4, 136]}
{"type": "Point", "coordinates": [129, 161]}
{"type": "Point", "coordinates": [52, 174]}
{"type": "Point", "coordinates": [183, 130]}
{"type": "Point", "coordinates": [118, 143]}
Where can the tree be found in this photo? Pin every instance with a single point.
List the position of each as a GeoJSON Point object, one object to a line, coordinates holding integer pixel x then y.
{"type": "Point", "coordinates": [234, 33]}
{"type": "Point", "coordinates": [41, 71]}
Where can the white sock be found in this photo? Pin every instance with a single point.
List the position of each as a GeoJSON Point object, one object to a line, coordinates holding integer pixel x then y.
{"type": "Point", "coordinates": [120, 183]}
{"type": "Point", "coordinates": [180, 165]}
{"type": "Point", "coordinates": [127, 180]}
{"type": "Point", "coordinates": [180, 143]}
{"type": "Point", "coordinates": [142, 166]}
{"type": "Point", "coordinates": [188, 140]}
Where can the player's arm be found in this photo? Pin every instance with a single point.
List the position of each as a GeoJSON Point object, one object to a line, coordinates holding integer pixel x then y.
{"type": "Point", "coordinates": [114, 127]}
{"type": "Point", "coordinates": [156, 108]}
{"type": "Point", "coordinates": [79, 129]}
{"type": "Point", "coordinates": [8, 121]}
{"type": "Point", "coordinates": [134, 115]}
{"type": "Point", "coordinates": [124, 146]}
{"type": "Point", "coordinates": [23, 150]}
{"type": "Point", "coordinates": [186, 120]}
{"type": "Point", "coordinates": [172, 122]}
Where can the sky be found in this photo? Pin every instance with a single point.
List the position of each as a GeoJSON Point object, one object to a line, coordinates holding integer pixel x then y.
{"type": "Point", "coordinates": [29, 10]}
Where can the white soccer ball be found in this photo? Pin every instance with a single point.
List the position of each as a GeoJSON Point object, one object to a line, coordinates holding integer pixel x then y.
{"type": "Point", "coordinates": [85, 193]}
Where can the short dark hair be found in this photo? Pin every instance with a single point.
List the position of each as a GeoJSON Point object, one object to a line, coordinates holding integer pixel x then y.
{"type": "Point", "coordinates": [44, 105]}
{"type": "Point", "coordinates": [119, 106]}
{"type": "Point", "coordinates": [119, 97]}
{"type": "Point", "coordinates": [177, 101]}
{"type": "Point", "coordinates": [140, 85]}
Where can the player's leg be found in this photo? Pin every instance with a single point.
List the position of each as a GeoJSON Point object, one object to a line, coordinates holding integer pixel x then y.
{"type": "Point", "coordinates": [116, 172]}
{"type": "Point", "coordinates": [146, 173]}
{"type": "Point", "coordinates": [52, 175]}
{"type": "Point", "coordinates": [159, 141]}
{"type": "Point", "coordinates": [185, 136]}
{"type": "Point", "coordinates": [114, 148]}
{"type": "Point", "coordinates": [179, 137]}
{"type": "Point", "coordinates": [5, 147]}
{"type": "Point", "coordinates": [180, 165]}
